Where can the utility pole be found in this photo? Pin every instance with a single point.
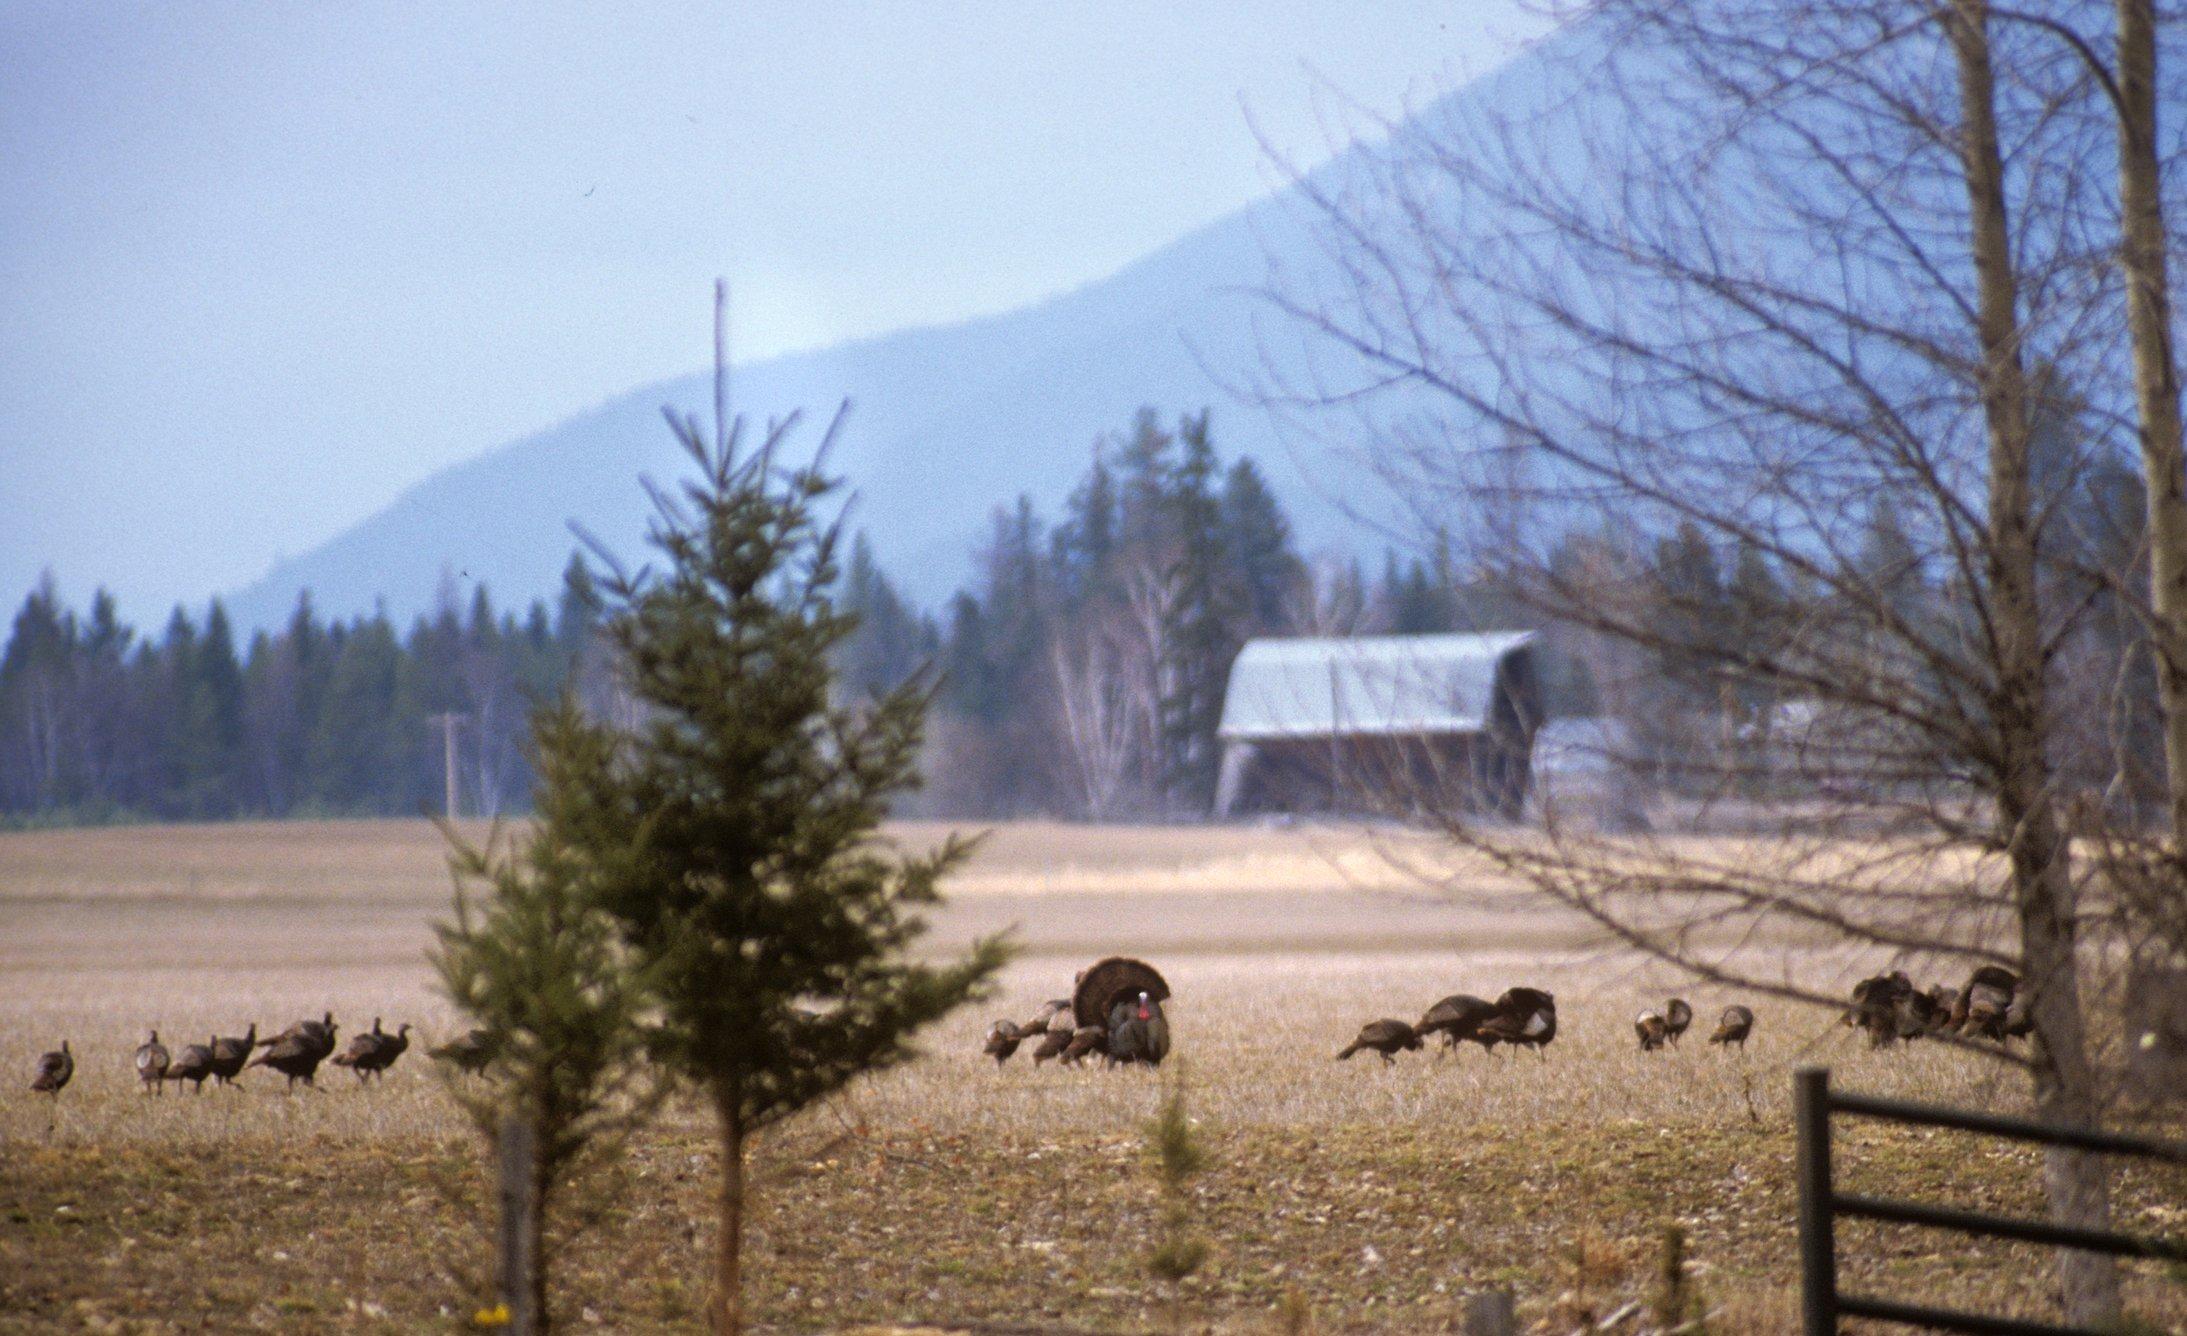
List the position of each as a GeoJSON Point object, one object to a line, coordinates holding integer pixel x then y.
{"type": "Point", "coordinates": [447, 722]}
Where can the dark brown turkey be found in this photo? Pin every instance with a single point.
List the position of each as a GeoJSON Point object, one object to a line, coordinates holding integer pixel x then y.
{"type": "Point", "coordinates": [1525, 1018]}
{"type": "Point", "coordinates": [317, 1032]}
{"type": "Point", "coordinates": [54, 1070]}
{"type": "Point", "coordinates": [1386, 1037]}
{"type": "Point", "coordinates": [1138, 1032]}
{"type": "Point", "coordinates": [1987, 1002]}
{"type": "Point", "coordinates": [1652, 1030]}
{"type": "Point", "coordinates": [370, 1055]}
{"type": "Point", "coordinates": [1921, 1014]}
{"type": "Point", "coordinates": [152, 1062]}
{"type": "Point", "coordinates": [1458, 1019]}
{"type": "Point", "coordinates": [1677, 1017]}
{"type": "Point", "coordinates": [1053, 1044]}
{"type": "Point", "coordinates": [1109, 983]}
{"type": "Point", "coordinates": [193, 1063]}
{"type": "Point", "coordinates": [297, 1052]}
{"type": "Point", "coordinates": [1052, 1014]}
{"type": "Point", "coordinates": [1734, 1027]}
{"type": "Point", "coordinates": [230, 1054]}
{"type": "Point", "coordinates": [1087, 1041]}
{"type": "Point", "coordinates": [1053, 1026]}
{"type": "Point", "coordinates": [1879, 1003]}
{"type": "Point", "coordinates": [1003, 1038]}
{"type": "Point", "coordinates": [469, 1053]}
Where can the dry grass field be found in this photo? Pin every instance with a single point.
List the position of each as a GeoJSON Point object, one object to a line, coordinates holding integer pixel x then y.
{"type": "Point", "coordinates": [1342, 1197]}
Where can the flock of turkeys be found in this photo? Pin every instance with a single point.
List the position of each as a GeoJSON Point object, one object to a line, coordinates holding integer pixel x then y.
{"type": "Point", "coordinates": [1115, 1014]}
{"type": "Point", "coordinates": [1988, 1006]}
{"type": "Point", "coordinates": [1521, 1018]}
{"type": "Point", "coordinates": [296, 1053]}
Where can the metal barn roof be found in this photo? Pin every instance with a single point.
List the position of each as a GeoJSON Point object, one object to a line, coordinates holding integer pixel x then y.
{"type": "Point", "coordinates": [1377, 685]}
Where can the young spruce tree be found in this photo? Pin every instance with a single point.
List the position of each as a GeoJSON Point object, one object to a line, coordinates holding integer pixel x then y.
{"type": "Point", "coordinates": [531, 962]}
{"type": "Point", "coordinates": [737, 831]}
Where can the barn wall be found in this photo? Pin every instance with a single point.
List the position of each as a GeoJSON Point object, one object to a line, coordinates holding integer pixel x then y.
{"type": "Point", "coordinates": [1476, 772]}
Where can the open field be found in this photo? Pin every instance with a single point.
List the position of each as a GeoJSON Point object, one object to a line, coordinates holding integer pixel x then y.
{"type": "Point", "coordinates": [951, 1191]}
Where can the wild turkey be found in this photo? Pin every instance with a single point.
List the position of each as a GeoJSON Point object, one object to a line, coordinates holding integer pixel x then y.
{"type": "Point", "coordinates": [1525, 1018]}
{"type": "Point", "coordinates": [152, 1062]}
{"type": "Point", "coordinates": [1109, 983]}
{"type": "Point", "coordinates": [1385, 1037]}
{"type": "Point", "coordinates": [1003, 1038]}
{"type": "Point", "coordinates": [194, 1063]}
{"type": "Point", "coordinates": [469, 1053]}
{"type": "Point", "coordinates": [1055, 1014]}
{"type": "Point", "coordinates": [318, 1032]}
{"type": "Point", "coordinates": [54, 1071]}
{"type": "Point", "coordinates": [358, 1056]}
{"type": "Point", "coordinates": [1878, 1002]}
{"type": "Point", "coordinates": [1087, 1041]}
{"type": "Point", "coordinates": [1922, 1014]}
{"type": "Point", "coordinates": [229, 1055]}
{"type": "Point", "coordinates": [1138, 1032]}
{"type": "Point", "coordinates": [297, 1054]}
{"type": "Point", "coordinates": [1990, 993]}
{"type": "Point", "coordinates": [1677, 1016]}
{"type": "Point", "coordinates": [1737, 1023]}
{"type": "Point", "coordinates": [1652, 1029]}
{"type": "Point", "coordinates": [384, 1053]}
{"type": "Point", "coordinates": [1458, 1018]}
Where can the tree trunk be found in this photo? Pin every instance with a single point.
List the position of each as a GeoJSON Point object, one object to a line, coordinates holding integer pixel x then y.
{"type": "Point", "coordinates": [523, 1198]}
{"type": "Point", "coordinates": [2042, 886]}
{"type": "Point", "coordinates": [729, 1251]}
{"type": "Point", "coordinates": [2156, 382]}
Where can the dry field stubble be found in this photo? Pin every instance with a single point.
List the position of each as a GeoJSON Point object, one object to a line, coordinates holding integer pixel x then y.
{"type": "Point", "coordinates": [950, 1190]}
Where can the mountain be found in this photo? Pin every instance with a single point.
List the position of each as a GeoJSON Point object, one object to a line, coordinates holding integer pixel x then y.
{"type": "Point", "coordinates": [945, 425]}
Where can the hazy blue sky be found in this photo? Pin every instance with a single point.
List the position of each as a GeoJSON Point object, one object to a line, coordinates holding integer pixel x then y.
{"type": "Point", "coordinates": [264, 265]}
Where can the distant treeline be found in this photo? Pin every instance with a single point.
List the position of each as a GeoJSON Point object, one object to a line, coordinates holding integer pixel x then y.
{"type": "Point", "coordinates": [320, 718]}
{"type": "Point", "coordinates": [1082, 674]}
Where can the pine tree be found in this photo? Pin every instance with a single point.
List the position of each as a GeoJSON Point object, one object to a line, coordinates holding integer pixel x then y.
{"type": "Point", "coordinates": [1085, 542]}
{"type": "Point", "coordinates": [532, 962]}
{"type": "Point", "coordinates": [211, 725]}
{"type": "Point", "coordinates": [37, 674]}
{"type": "Point", "coordinates": [735, 831]}
{"type": "Point", "coordinates": [1202, 639]}
{"type": "Point", "coordinates": [354, 748]}
{"type": "Point", "coordinates": [1257, 546]}
{"type": "Point", "coordinates": [890, 643]}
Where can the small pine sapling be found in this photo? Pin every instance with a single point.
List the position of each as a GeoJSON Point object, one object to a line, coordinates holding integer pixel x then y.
{"type": "Point", "coordinates": [1179, 1157]}
{"type": "Point", "coordinates": [534, 965]}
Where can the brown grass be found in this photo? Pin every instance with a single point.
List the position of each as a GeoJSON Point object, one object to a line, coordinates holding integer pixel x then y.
{"type": "Point", "coordinates": [951, 1190]}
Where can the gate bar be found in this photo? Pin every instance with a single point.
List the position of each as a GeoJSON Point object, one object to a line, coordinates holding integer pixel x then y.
{"type": "Point", "coordinates": [1997, 1125]}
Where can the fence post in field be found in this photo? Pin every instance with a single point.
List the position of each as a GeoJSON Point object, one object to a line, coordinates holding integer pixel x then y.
{"type": "Point", "coordinates": [1818, 1244]}
{"type": "Point", "coordinates": [1491, 1314]}
{"type": "Point", "coordinates": [519, 1225]}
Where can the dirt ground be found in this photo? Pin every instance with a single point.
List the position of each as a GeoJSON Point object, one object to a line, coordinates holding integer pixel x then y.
{"type": "Point", "coordinates": [1341, 1197]}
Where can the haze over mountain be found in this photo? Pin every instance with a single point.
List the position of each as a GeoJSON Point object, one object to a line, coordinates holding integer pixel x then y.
{"type": "Point", "coordinates": [268, 268]}
{"type": "Point", "coordinates": [946, 424]}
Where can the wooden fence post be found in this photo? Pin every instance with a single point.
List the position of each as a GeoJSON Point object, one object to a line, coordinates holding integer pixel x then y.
{"type": "Point", "coordinates": [519, 1224]}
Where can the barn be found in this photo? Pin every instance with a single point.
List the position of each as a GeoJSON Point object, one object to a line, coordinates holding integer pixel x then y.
{"type": "Point", "coordinates": [1322, 724]}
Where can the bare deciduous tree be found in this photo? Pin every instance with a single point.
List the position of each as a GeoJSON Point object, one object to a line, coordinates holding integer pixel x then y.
{"type": "Point", "coordinates": [1103, 703]}
{"type": "Point", "coordinates": [1800, 318]}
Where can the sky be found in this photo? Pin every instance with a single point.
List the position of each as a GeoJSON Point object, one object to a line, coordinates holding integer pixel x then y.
{"type": "Point", "coordinates": [263, 266]}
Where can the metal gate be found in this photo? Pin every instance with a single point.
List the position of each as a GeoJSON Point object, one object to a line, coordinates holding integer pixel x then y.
{"type": "Point", "coordinates": [1821, 1302]}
